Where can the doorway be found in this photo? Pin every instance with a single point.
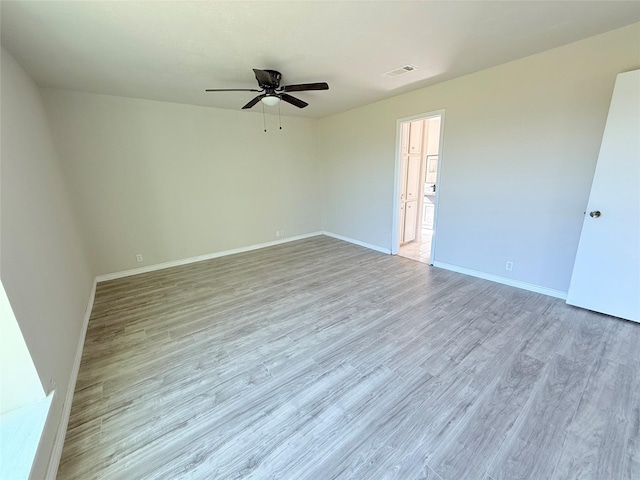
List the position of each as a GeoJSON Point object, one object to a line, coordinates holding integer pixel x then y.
{"type": "Point", "coordinates": [417, 166]}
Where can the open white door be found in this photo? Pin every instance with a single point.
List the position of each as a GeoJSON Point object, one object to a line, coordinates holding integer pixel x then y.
{"type": "Point", "coordinates": [606, 273]}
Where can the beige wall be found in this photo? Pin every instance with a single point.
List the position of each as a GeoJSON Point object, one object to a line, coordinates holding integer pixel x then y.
{"type": "Point", "coordinates": [520, 145]}
{"type": "Point", "coordinates": [44, 268]}
{"type": "Point", "coordinates": [175, 181]}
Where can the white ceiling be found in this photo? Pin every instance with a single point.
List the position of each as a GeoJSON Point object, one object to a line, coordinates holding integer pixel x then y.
{"type": "Point", "coordinates": [173, 50]}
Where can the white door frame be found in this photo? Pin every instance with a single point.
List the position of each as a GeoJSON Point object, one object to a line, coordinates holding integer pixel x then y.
{"type": "Point", "coordinates": [395, 238]}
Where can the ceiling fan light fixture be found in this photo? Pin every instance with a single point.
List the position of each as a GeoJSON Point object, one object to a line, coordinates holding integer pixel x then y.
{"type": "Point", "coordinates": [270, 100]}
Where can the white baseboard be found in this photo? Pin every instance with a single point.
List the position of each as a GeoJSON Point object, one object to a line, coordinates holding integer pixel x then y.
{"type": "Point", "coordinates": [358, 242]}
{"type": "Point", "coordinates": [199, 258]}
{"type": "Point", "coordinates": [56, 454]}
{"type": "Point", "coordinates": [505, 281]}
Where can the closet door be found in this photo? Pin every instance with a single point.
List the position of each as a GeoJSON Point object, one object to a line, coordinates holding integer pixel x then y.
{"type": "Point", "coordinates": [402, 209]}
{"type": "Point", "coordinates": [606, 273]}
{"type": "Point", "coordinates": [403, 177]}
{"type": "Point", "coordinates": [415, 137]}
{"type": "Point", "coordinates": [411, 218]}
{"type": "Point", "coordinates": [413, 178]}
{"type": "Point", "coordinates": [405, 138]}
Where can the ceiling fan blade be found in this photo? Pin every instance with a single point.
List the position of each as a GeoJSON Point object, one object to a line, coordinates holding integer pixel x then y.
{"type": "Point", "coordinates": [293, 100]}
{"type": "Point", "coordinates": [232, 90]}
{"type": "Point", "coordinates": [263, 77]}
{"type": "Point", "coordinates": [253, 102]}
{"type": "Point", "coordinates": [305, 86]}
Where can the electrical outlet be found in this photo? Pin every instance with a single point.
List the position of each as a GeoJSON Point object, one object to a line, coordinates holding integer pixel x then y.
{"type": "Point", "coordinates": [279, 233]}
{"type": "Point", "coordinates": [138, 257]}
{"type": "Point", "coordinates": [509, 266]}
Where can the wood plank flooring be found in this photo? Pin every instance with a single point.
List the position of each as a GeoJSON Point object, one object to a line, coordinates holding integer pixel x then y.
{"type": "Point", "coordinates": [319, 359]}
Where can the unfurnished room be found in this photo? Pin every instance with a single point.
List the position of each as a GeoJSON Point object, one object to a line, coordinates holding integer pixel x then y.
{"type": "Point", "coordinates": [315, 240]}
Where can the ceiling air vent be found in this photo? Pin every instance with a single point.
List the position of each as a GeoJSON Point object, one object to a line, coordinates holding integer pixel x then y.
{"type": "Point", "coordinates": [402, 70]}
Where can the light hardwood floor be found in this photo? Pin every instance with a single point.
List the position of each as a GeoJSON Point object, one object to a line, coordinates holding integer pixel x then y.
{"type": "Point", "coordinates": [319, 359]}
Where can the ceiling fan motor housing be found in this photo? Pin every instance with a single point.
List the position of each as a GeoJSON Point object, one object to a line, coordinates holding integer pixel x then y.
{"type": "Point", "coordinates": [275, 79]}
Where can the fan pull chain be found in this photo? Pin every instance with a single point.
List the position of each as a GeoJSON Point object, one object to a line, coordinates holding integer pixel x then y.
{"type": "Point", "coordinates": [279, 117]}
{"type": "Point", "coordinates": [264, 121]}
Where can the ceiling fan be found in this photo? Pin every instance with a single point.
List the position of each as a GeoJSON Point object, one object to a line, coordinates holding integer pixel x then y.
{"type": "Point", "coordinates": [272, 92]}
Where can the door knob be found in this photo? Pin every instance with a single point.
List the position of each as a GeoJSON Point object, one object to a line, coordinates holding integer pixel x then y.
{"type": "Point", "coordinates": [595, 214]}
